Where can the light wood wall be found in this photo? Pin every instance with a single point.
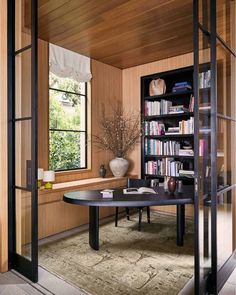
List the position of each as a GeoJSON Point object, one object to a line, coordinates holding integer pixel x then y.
{"type": "Point", "coordinates": [106, 90]}
{"type": "Point", "coordinates": [66, 216]}
{"type": "Point", "coordinates": [43, 104]}
{"type": "Point", "coordinates": [3, 139]}
{"type": "Point", "coordinates": [132, 100]}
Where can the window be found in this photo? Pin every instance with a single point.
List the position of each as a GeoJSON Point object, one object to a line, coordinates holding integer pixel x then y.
{"type": "Point", "coordinates": [67, 124]}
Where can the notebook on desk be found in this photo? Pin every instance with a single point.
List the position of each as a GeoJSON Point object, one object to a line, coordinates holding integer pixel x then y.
{"type": "Point", "coordinates": [141, 190]}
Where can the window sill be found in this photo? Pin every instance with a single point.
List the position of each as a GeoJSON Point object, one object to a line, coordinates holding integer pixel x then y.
{"type": "Point", "coordinates": [73, 172]}
{"type": "Point", "coordinates": [78, 184]}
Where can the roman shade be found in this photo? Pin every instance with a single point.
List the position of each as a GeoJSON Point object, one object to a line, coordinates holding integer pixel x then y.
{"type": "Point", "coordinates": [68, 64]}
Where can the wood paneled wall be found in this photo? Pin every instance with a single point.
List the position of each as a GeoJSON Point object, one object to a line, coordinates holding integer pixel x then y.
{"type": "Point", "coordinates": [3, 139]}
{"type": "Point", "coordinates": [43, 104]}
{"type": "Point", "coordinates": [106, 90]}
{"type": "Point", "coordinates": [132, 100]}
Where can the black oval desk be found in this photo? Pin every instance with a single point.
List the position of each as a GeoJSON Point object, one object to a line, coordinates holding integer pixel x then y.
{"type": "Point", "coordinates": [94, 199]}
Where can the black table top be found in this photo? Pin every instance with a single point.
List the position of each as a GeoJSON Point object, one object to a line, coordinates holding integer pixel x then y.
{"type": "Point", "coordinates": [94, 198]}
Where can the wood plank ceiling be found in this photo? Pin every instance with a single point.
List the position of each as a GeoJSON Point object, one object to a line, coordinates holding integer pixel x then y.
{"type": "Point", "coordinates": [122, 33]}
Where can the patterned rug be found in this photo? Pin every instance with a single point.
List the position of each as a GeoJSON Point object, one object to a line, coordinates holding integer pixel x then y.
{"type": "Point", "coordinates": [128, 262]}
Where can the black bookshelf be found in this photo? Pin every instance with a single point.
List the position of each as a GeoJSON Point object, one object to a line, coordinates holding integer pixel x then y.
{"type": "Point", "coordinates": [169, 120]}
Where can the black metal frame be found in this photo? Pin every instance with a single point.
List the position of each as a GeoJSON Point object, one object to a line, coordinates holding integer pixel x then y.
{"type": "Point", "coordinates": [28, 268]}
{"type": "Point", "coordinates": [216, 278]}
{"type": "Point", "coordinates": [196, 148]}
{"type": "Point", "coordinates": [76, 131]}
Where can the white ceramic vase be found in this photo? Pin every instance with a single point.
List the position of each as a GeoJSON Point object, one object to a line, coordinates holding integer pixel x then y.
{"type": "Point", "coordinates": [119, 166]}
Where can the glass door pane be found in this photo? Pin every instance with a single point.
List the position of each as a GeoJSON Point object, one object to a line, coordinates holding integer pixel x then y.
{"type": "Point", "coordinates": [22, 96]}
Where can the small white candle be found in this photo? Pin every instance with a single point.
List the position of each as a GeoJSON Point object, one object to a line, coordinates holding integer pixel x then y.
{"type": "Point", "coordinates": [40, 173]}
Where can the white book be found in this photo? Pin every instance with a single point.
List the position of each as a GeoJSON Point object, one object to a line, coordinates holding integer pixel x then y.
{"type": "Point", "coordinates": [141, 190]}
{"type": "Point", "coordinates": [107, 193]}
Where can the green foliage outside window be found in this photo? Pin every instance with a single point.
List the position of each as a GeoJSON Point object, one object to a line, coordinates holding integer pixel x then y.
{"type": "Point", "coordinates": [64, 114]}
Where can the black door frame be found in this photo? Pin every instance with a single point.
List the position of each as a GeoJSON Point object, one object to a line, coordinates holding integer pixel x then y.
{"type": "Point", "coordinates": [216, 279]}
{"type": "Point", "coordinates": [28, 268]}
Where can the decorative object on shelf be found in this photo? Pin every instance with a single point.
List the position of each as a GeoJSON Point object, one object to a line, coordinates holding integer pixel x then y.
{"type": "Point", "coordinates": [102, 171]}
{"type": "Point", "coordinates": [40, 177]}
{"type": "Point", "coordinates": [119, 133]}
{"type": "Point", "coordinates": [48, 178]}
{"type": "Point", "coordinates": [171, 185]}
{"type": "Point", "coordinates": [157, 87]}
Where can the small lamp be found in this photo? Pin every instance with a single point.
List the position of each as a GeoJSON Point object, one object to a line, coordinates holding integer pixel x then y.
{"type": "Point", "coordinates": [40, 177]}
{"type": "Point", "coordinates": [48, 177]}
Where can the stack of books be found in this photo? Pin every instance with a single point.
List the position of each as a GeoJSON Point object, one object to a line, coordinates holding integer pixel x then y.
{"type": "Point", "coordinates": [186, 173]}
{"type": "Point", "coordinates": [172, 131]}
{"type": "Point", "coordinates": [154, 128]}
{"type": "Point", "coordinates": [177, 109]}
{"type": "Point", "coordinates": [154, 147]}
{"type": "Point", "coordinates": [186, 152]}
{"type": "Point", "coordinates": [182, 86]}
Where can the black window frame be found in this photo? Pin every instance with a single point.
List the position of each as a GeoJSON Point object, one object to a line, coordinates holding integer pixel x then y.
{"type": "Point", "coordinates": [72, 130]}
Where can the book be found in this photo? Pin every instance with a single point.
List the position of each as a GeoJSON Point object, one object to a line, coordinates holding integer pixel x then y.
{"type": "Point", "coordinates": [184, 152]}
{"type": "Point", "coordinates": [107, 193]}
{"type": "Point", "coordinates": [186, 173]}
{"type": "Point", "coordinates": [141, 190]}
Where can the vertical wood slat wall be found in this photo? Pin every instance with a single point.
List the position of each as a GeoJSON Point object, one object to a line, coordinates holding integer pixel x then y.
{"type": "Point", "coordinates": [3, 138]}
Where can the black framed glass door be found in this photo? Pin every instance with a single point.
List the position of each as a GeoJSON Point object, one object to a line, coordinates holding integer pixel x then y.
{"type": "Point", "coordinates": [22, 137]}
{"type": "Point", "coordinates": [215, 195]}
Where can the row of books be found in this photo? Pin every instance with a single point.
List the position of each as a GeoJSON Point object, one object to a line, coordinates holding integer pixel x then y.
{"type": "Point", "coordinates": [186, 126]}
{"type": "Point", "coordinates": [164, 107]}
{"type": "Point", "coordinates": [165, 167]}
{"type": "Point", "coordinates": [158, 128]}
{"type": "Point", "coordinates": [205, 79]}
{"type": "Point", "coordinates": [154, 147]}
{"type": "Point", "coordinates": [156, 108]}
{"type": "Point", "coordinates": [182, 86]}
{"type": "Point", "coordinates": [154, 128]}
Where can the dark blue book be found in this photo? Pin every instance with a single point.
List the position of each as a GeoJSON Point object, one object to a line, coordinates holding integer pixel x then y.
{"type": "Point", "coordinates": [182, 84]}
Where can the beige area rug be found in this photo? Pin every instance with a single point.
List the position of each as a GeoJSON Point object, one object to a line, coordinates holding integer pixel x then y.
{"type": "Point", "coordinates": [128, 262]}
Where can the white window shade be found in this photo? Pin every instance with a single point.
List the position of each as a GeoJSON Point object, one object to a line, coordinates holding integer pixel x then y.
{"type": "Point", "coordinates": [68, 64]}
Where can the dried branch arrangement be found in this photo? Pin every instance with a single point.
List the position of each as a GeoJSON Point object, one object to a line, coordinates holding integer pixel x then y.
{"type": "Point", "coordinates": [120, 132]}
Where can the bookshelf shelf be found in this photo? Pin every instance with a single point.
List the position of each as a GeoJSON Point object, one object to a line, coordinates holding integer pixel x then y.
{"type": "Point", "coordinates": [166, 136]}
{"type": "Point", "coordinates": [167, 116]}
{"type": "Point", "coordinates": [168, 156]}
{"type": "Point", "coordinates": [163, 176]}
{"type": "Point", "coordinates": [152, 145]}
{"type": "Point", "coordinates": [168, 96]}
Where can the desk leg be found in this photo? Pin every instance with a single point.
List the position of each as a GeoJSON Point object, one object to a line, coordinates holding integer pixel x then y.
{"type": "Point", "coordinates": [180, 224]}
{"type": "Point", "coordinates": [94, 227]}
